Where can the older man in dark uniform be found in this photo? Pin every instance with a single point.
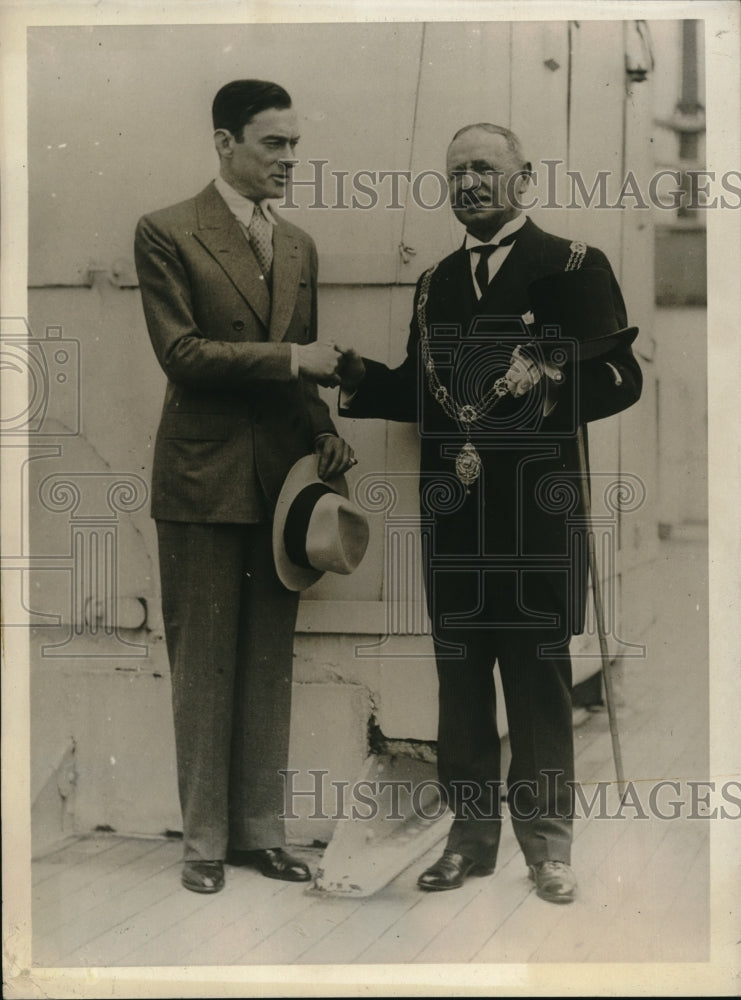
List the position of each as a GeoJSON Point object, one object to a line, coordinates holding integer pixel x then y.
{"type": "Point", "coordinates": [499, 408]}
{"type": "Point", "coordinates": [229, 294]}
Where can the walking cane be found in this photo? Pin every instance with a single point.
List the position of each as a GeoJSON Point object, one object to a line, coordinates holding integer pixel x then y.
{"type": "Point", "coordinates": [599, 615]}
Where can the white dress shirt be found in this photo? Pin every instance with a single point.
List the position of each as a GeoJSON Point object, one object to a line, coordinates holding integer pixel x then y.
{"type": "Point", "coordinates": [499, 256]}
{"type": "Point", "coordinates": [241, 207]}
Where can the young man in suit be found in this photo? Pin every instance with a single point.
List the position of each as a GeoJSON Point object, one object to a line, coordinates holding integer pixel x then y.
{"type": "Point", "coordinates": [498, 422]}
{"type": "Point", "coordinates": [229, 293]}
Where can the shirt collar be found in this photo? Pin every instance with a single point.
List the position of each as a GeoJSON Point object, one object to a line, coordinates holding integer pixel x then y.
{"type": "Point", "coordinates": [509, 227]}
{"type": "Point", "coordinates": [240, 207]}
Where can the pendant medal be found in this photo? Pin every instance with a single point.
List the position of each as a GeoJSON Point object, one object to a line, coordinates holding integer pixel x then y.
{"type": "Point", "coordinates": [468, 461]}
{"type": "Point", "coordinates": [468, 464]}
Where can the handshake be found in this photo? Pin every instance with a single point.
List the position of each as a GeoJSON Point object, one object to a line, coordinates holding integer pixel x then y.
{"type": "Point", "coordinates": [331, 365]}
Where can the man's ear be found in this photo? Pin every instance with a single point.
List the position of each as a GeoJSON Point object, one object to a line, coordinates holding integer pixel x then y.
{"type": "Point", "coordinates": [223, 142]}
{"type": "Point", "coordinates": [523, 177]}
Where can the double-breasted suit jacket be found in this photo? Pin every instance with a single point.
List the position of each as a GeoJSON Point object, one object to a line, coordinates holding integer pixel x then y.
{"type": "Point", "coordinates": [233, 421]}
{"type": "Point", "coordinates": [511, 552]}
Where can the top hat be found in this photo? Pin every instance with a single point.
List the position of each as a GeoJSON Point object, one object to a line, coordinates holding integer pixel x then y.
{"type": "Point", "coordinates": [316, 529]}
{"type": "Point", "coordinates": [581, 305]}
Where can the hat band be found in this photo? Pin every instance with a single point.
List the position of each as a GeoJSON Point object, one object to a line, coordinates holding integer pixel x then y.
{"type": "Point", "coordinates": [296, 528]}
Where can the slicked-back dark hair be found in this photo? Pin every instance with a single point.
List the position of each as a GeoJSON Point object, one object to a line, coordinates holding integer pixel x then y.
{"type": "Point", "coordinates": [237, 103]}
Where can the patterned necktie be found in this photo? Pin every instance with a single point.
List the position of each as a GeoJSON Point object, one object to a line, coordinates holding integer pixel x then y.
{"type": "Point", "coordinates": [485, 250]}
{"type": "Point", "coordinates": [261, 238]}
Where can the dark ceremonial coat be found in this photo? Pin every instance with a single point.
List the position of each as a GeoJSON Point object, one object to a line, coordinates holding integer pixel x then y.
{"type": "Point", "coordinates": [511, 552]}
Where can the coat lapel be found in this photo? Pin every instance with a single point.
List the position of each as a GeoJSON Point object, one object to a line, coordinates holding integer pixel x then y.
{"type": "Point", "coordinates": [507, 292]}
{"type": "Point", "coordinates": [286, 276]}
{"type": "Point", "coordinates": [220, 233]}
{"type": "Point", "coordinates": [454, 295]}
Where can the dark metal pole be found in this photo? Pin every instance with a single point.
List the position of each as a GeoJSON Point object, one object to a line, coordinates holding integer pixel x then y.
{"type": "Point", "coordinates": [599, 615]}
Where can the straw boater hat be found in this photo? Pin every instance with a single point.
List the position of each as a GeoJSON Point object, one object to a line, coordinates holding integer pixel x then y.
{"type": "Point", "coordinates": [316, 529]}
{"type": "Point", "coordinates": [581, 305]}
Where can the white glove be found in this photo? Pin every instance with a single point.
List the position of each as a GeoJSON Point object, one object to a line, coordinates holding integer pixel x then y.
{"type": "Point", "coordinates": [525, 372]}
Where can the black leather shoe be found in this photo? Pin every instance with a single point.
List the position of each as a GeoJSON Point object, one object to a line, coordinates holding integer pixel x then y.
{"type": "Point", "coordinates": [449, 872]}
{"type": "Point", "coordinates": [203, 876]}
{"type": "Point", "coordinates": [554, 881]}
{"type": "Point", "coordinates": [274, 862]}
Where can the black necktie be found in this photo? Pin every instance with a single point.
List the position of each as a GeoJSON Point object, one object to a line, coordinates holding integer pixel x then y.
{"type": "Point", "coordinates": [485, 250]}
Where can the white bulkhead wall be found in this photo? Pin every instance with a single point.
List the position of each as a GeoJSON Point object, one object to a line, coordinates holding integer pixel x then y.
{"type": "Point", "coordinates": [119, 125]}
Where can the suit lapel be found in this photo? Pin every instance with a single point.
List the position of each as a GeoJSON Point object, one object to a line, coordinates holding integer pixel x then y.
{"type": "Point", "coordinates": [507, 291]}
{"type": "Point", "coordinates": [454, 298]}
{"type": "Point", "coordinates": [286, 275]}
{"type": "Point", "coordinates": [220, 233]}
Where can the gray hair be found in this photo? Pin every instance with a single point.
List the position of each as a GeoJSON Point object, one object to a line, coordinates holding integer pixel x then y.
{"type": "Point", "coordinates": [513, 143]}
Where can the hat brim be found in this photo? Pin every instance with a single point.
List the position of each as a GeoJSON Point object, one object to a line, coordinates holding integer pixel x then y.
{"type": "Point", "coordinates": [597, 346]}
{"type": "Point", "coordinates": [303, 473]}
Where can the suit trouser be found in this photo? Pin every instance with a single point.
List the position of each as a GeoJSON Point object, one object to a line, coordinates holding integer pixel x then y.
{"type": "Point", "coordinates": [229, 624]}
{"type": "Point", "coordinates": [537, 694]}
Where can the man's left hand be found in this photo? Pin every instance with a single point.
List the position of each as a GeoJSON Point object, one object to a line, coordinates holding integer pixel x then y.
{"type": "Point", "coordinates": [335, 456]}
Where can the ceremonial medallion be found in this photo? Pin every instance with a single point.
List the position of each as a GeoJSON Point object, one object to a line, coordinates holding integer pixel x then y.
{"type": "Point", "coordinates": [468, 460]}
{"type": "Point", "coordinates": [468, 464]}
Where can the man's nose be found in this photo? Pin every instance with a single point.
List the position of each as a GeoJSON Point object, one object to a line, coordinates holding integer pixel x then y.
{"type": "Point", "coordinates": [465, 187]}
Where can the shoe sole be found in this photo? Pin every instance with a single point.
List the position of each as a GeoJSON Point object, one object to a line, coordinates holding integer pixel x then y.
{"type": "Point", "coordinates": [284, 878]}
{"type": "Point", "coordinates": [204, 889]}
{"type": "Point", "coordinates": [478, 871]}
{"type": "Point", "coordinates": [555, 898]}
{"type": "Point", "coordinates": [438, 888]}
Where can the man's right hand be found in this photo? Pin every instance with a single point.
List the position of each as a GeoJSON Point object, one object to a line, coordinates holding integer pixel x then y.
{"type": "Point", "coordinates": [319, 363]}
{"type": "Point", "coordinates": [351, 368]}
